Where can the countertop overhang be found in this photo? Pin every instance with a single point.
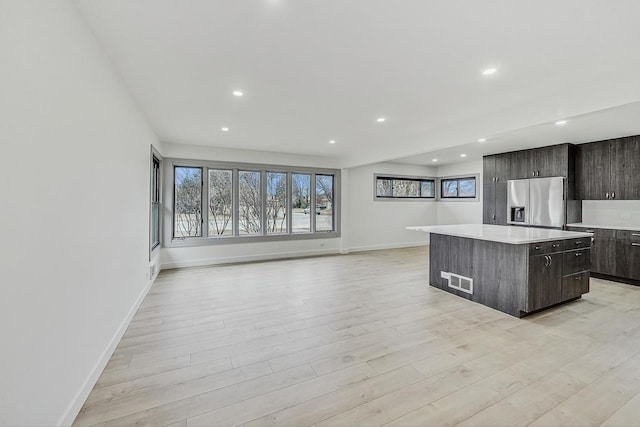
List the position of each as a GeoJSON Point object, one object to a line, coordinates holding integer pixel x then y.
{"type": "Point", "coordinates": [500, 233]}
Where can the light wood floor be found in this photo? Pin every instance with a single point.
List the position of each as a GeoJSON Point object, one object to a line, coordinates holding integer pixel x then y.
{"type": "Point", "coordinates": [363, 340]}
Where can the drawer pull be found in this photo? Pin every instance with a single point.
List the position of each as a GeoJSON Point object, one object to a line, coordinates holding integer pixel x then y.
{"type": "Point", "coordinates": [579, 242]}
{"type": "Point", "coordinates": [538, 248]}
{"type": "Point", "coordinates": [635, 234]}
{"type": "Point", "coordinates": [577, 278]}
{"type": "Point", "coordinates": [578, 253]}
{"type": "Point", "coordinates": [555, 246]}
{"type": "Point", "coordinates": [635, 244]}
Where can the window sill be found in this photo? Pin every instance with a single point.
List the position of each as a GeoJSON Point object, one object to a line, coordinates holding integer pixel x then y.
{"type": "Point", "coordinates": [209, 241]}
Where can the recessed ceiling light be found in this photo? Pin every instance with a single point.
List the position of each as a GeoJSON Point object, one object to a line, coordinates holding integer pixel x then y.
{"type": "Point", "coordinates": [380, 119]}
{"type": "Point", "coordinates": [489, 71]}
{"type": "Point", "coordinates": [238, 93]}
{"type": "Point", "coordinates": [332, 141]}
{"type": "Point", "coordinates": [561, 122]}
{"type": "Point", "coordinates": [482, 139]}
{"type": "Point", "coordinates": [224, 129]}
{"type": "Point", "coordinates": [434, 160]}
{"type": "Point", "coordinates": [463, 155]}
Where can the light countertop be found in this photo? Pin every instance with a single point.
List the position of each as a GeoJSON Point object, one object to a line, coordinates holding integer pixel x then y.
{"type": "Point", "coordinates": [606, 227]}
{"type": "Point", "coordinates": [501, 233]}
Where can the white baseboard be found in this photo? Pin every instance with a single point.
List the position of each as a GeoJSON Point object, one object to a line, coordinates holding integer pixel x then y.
{"type": "Point", "coordinates": [387, 246]}
{"type": "Point", "coordinates": [247, 258]}
{"type": "Point", "coordinates": [74, 408]}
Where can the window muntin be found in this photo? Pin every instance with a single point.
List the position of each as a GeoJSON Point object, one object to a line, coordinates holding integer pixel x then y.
{"type": "Point", "coordinates": [187, 202]}
{"type": "Point", "coordinates": [458, 188]}
{"type": "Point", "coordinates": [392, 187]}
{"type": "Point", "coordinates": [324, 203]}
{"type": "Point", "coordinates": [220, 203]}
{"type": "Point", "coordinates": [250, 198]}
{"type": "Point", "coordinates": [300, 203]}
{"type": "Point", "coordinates": [276, 207]}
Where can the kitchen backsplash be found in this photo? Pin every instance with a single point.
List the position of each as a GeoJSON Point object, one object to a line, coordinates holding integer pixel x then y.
{"type": "Point", "coordinates": [611, 212]}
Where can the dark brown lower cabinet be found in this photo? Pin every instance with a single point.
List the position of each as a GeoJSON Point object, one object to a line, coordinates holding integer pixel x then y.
{"type": "Point", "coordinates": [628, 259]}
{"type": "Point", "coordinates": [614, 253]}
{"type": "Point", "coordinates": [545, 281]}
{"type": "Point", "coordinates": [575, 285]}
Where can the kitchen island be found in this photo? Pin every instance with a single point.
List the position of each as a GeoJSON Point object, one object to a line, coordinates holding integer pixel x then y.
{"type": "Point", "coordinates": [517, 270]}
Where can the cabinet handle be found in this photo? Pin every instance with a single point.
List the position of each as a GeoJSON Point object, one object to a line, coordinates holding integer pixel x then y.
{"type": "Point", "coordinates": [635, 244]}
{"type": "Point", "coordinates": [546, 261]}
{"type": "Point", "coordinates": [537, 173]}
{"type": "Point", "coordinates": [613, 195]}
{"type": "Point", "coordinates": [577, 278]}
{"type": "Point", "coordinates": [537, 248]}
{"type": "Point", "coordinates": [578, 253]}
{"type": "Point", "coordinates": [555, 246]}
{"type": "Point", "coordinates": [635, 234]}
{"type": "Point", "coordinates": [579, 242]}
{"type": "Point", "coordinates": [607, 195]}
{"type": "Point", "coordinates": [550, 260]}
{"type": "Point", "coordinates": [533, 173]}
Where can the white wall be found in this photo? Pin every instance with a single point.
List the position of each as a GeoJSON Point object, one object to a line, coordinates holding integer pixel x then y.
{"type": "Point", "coordinates": [461, 211]}
{"type": "Point", "coordinates": [219, 254]}
{"type": "Point", "coordinates": [381, 224]}
{"type": "Point", "coordinates": [74, 211]}
{"type": "Point", "coordinates": [611, 212]}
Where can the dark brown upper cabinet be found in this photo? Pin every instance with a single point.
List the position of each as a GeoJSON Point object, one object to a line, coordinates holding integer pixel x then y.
{"type": "Point", "coordinates": [497, 168]}
{"type": "Point", "coordinates": [608, 170]}
{"type": "Point", "coordinates": [540, 162]}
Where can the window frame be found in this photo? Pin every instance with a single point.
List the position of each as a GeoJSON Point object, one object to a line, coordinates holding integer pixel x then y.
{"type": "Point", "coordinates": [475, 177]}
{"type": "Point", "coordinates": [377, 198]}
{"type": "Point", "coordinates": [158, 181]}
{"type": "Point", "coordinates": [169, 196]}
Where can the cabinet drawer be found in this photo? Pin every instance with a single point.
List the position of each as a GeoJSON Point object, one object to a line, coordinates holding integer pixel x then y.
{"type": "Point", "coordinates": [545, 247]}
{"type": "Point", "coordinates": [582, 242]}
{"type": "Point", "coordinates": [575, 285]}
{"type": "Point", "coordinates": [633, 236]}
{"type": "Point", "coordinates": [576, 261]}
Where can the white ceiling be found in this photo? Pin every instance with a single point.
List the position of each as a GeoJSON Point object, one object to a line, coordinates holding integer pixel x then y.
{"type": "Point", "coordinates": [316, 70]}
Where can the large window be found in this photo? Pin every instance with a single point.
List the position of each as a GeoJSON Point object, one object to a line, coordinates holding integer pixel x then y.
{"type": "Point", "coordinates": [300, 203]}
{"type": "Point", "coordinates": [220, 202]}
{"type": "Point", "coordinates": [396, 187]}
{"type": "Point", "coordinates": [250, 203]}
{"type": "Point", "coordinates": [187, 202]}
{"type": "Point", "coordinates": [276, 202]}
{"type": "Point", "coordinates": [228, 202]}
{"type": "Point", "coordinates": [458, 188]}
{"type": "Point", "coordinates": [324, 202]}
{"type": "Point", "coordinates": [154, 232]}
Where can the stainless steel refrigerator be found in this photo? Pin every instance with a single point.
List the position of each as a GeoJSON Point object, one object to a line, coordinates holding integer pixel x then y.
{"type": "Point", "coordinates": [536, 202]}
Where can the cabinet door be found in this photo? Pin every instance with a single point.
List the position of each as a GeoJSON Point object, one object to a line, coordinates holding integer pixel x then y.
{"type": "Point", "coordinates": [603, 256]}
{"type": "Point", "coordinates": [501, 203]}
{"type": "Point", "coordinates": [503, 167]}
{"type": "Point", "coordinates": [488, 203]}
{"type": "Point", "coordinates": [545, 281]}
{"type": "Point", "coordinates": [625, 168]}
{"type": "Point", "coordinates": [593, 171]}
{"type": "Point", "coordinates": [488, 169]}
{"type": "Point", "coordinates": [551, 161]}
{"type": "Point", "coordinates": [520, 167]}
{"type": "Point", "coordinates": [627, 259]}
